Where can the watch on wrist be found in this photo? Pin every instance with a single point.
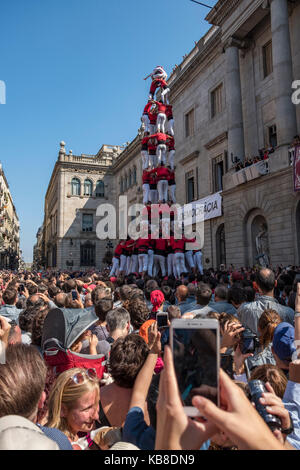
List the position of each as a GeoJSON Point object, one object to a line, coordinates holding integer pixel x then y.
{"type": "Point", "coordinates": [289, 430]}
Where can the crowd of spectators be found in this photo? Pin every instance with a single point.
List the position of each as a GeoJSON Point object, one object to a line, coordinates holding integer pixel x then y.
{"type": "Point", "coordinates": [249, 161]}
{"type": "Point", "coordinates": [137, 401]}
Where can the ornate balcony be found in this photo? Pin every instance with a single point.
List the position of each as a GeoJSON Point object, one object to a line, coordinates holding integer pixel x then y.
{"type": "Point", "coordinates": [235, 178]}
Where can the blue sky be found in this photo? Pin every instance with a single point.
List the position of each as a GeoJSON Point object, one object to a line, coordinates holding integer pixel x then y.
{"type": "Point", "coordinates": [74, 71]}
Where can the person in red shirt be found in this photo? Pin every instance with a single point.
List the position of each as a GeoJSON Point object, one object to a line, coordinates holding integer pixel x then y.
{"type": "Point", "coordinates": [170, 124]}
{"type": "Point", "coordinates": [134, 265]}
{"type": "Point", "coordinates": [116, 259]}
{"type": "Point", "coordinates": [145, 117]}
{"type": "Point", "coordinates": [178, 246]}
{"type": "Point", "coordinates": [152, 115]}
{"type": "Point", "coordinates": [172, 185]}
{"type": "Point", "coordinates": [144, 153]}
{"type": "Point", "coordinates": [160, 251]}
{"type": "Point", "coordinates": [162, 175]}
{"type": "Point", "coordinates": [160, 83]}
{"type": "Point", "coordinates": [161, 150]}
{"type": "Point", "coordinates": [171, 150]}
{"type": "Point", "coordinates": [153, 194]}
{"type": "Point", "coordinates": [161, 117]}
{"type": "Point", "coordinates": [142, 247]}
{"type": "Point", "coordinates": [146, 186]}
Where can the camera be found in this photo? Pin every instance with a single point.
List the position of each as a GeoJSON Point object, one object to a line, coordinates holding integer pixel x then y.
{"type": "Point", "coordinates": [249, 342]}
{"type": "Point", "coordinates": [257, 388]}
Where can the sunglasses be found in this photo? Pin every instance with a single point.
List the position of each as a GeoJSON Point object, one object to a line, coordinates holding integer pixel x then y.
{"type": "Point", "coordinates": [80, 377]}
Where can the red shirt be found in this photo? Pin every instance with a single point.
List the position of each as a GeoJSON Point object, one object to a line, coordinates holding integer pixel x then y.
{"type": "Point", "coordinates": [161, 108]}
{"type": "Point", "coordinates": [118, 250]}
{"type": "Point", "coordinates": [160, 137]}
{"type": "Point", "coordinates": [169, 111]}
{"type": "Point", "coordinates": [158, 83]}
{"type": "Point", "coordinates": [143, 244]}
{"type": "Point", "coordinates": [162, 173]}
{"type": "Point", "coordinates": [148, 107]}
{"type": "Point", "coordinates": [146, 177]}
{"type": "Point", "coordinates": [161, 244]}
{"type": "Point", "coordinates": [171, 143]}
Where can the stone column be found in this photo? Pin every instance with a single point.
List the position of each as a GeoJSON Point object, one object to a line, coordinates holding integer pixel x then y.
{"type": "Point", "coordinates": [236, 146]}
{"type": "Point", "coordinates": [283, 73]}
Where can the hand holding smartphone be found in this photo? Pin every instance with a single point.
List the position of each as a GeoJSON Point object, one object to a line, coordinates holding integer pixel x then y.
{"type": "Point", "coordinates": [196, 354]}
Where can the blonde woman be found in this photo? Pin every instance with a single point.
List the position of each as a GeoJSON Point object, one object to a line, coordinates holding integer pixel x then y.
{"type": "Point", "coordinates": [74, 404]}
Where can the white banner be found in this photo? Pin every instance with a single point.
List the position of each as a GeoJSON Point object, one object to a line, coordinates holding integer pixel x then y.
{"type": "Point", "coordinates": [210, 206]}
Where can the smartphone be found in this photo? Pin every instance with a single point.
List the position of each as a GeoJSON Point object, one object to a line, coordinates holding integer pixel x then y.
{"type": "Point", "coordinates": [196, 352]}
{"type": "Point", "coordinates": [249, 342]}
{"type": "Point", "coordinates": [162, 319]}
{"type": "Point", "coordinates": [74, 295]}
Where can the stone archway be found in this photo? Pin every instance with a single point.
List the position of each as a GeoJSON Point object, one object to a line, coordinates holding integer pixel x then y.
{"type": "Point", "coordinates": [257, 247]}
{"type": "Point", "coordinates": [221, 245]}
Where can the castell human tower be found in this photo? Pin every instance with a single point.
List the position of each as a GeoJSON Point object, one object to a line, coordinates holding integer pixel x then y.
{"type": "Point", "coordinates": [158, 251]}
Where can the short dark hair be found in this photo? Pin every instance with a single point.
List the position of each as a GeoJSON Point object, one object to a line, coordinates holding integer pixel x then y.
{"type": "Point", "coordinates": [265, 279]}
{"type": "Point", "coordinates": [237, 295]}
{"type": "Point", "coordinates": [22, 380]}
{"type": "Point", "coordinates": [139, 312]}
{"type": "Point", "coordinates": [250, 293]}
{"type": "Point", "coordinates": [221, 292]}
{"type": "Point", "coordinates": [26, 317]}
{"type": "Point", "coordinates": [102, 307]}
{"type": "Point", "coordinates": [203, 294]}
{"type": "Point", "coordinates": [98, 293]}
{"type": "Point", "coordinates": [10, 296]}
{"type": "Point", "coordinates": [69, 286]}
{"type": "Point", "coordinates": [127, 357]}
{"type": "Point", "coordinates": [37, 326]}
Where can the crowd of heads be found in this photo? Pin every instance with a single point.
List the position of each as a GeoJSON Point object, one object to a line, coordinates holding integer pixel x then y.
{"type": "Point", "coordinates": [74, 401]}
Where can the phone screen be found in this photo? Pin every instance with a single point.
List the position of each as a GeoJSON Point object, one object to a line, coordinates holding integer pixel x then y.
{"type": "Point", "coordinates": [162, 320]}
{"type": "Point", "coordinates": [74, 295]}
{"type": "Point", "coordinates": [195, 353]}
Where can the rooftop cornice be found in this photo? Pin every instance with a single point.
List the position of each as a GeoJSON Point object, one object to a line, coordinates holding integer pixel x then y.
{"type": "Point", "coordinates": [221, 11]}
{"type": "Point", "coordinates": [212, 47]}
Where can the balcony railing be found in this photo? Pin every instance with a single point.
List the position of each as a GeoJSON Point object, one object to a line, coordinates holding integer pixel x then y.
{"type": "Point", "coordinates": [246, 174]}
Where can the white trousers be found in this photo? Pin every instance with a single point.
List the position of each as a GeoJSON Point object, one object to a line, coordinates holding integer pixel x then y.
{"type": "Point", "coordinates": [161, 153]}
{"type": "Point", "coordinates": [123, 261]}
{"type": "Point", "coordinates": [165, 96]}
{"type": "Point", "coordinates": [189, 259]}
{"type": "Point", "coordinates": [161, 122]}
{"type": "Point", "coordinates": [172, 190]}
{"type": "Point", "coordinates": [162, 188]}
{"type": "Point", "coordinates": [179, 264]}
{"type": "Point", "coordinates": [143, 262]}
{"type": "Point", "coordinates": [150, 262]}
{"type": "Point", "coordinates": [128, 264]}
{"type": "Point", "coordinates": [152, 159]}
{"type": "Point", "coordinates": [146, 192]}
{"type": "Point", "coordinates": [145, 120]}
{"type": "Point", "coordinates": [145, 159]}
{"type": "Point", "coordinates": [171, 127]}
{"type": "Point", "coordinates": [134, 264]}
{"type": "Point", "coordinates": [198, 261]}
{"type": "Point", "coordinates": [171, 156]}
{"type": "Point", "coordinates": [159, 262]}
{"type": "Point", "coordinates": [153, 195]}
{"type": "Point", "coordinates": [170, 261]}
{"type": "Point", "coordinates": [115, 267]}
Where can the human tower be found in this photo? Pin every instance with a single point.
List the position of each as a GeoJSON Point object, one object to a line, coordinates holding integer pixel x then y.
{"type": "Point", "coordinates": [157, 251]}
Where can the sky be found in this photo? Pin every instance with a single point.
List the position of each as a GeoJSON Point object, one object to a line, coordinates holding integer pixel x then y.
{"type": "Point", "coordinates": [73, 71]}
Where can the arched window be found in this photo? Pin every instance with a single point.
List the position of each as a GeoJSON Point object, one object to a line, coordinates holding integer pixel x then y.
{"type": "Point", "coordinates": [75, 184]}
{"type": "Point", "coordinates": [88, 188]}
{"type": "Point", "coordinates": [100, 189]}
{"type": "Point", "coordinates": [134, 175]}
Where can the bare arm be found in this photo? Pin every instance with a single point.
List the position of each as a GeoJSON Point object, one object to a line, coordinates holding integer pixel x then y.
{"type": "Point", "coordinates": [144, 378]}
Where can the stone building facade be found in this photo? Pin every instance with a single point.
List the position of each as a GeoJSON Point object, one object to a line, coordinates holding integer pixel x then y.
{"type": "Point", "coordinates": [78, 186]}
{"type": "Point", "coordinates": [9, 227]}
{"type": "Point", "coordinates": [231, 97]}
